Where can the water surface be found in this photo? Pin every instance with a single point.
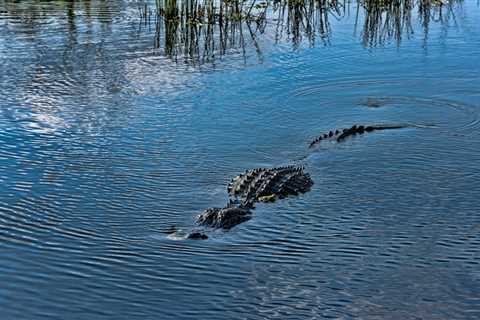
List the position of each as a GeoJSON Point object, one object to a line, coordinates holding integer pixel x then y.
{"type": "Point", "coordinates": [111, 132]}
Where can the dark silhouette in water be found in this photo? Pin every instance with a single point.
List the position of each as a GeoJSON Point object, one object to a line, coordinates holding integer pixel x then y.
{"type": "Point", "coordinates": [269, 184]}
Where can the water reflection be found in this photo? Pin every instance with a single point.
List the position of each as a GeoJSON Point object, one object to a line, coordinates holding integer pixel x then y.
{"type": "Point", "coordinates": [385, 21]}
{"type": "Point", "coordinates": [53, 53]}
{"type": "Point", "coordinates": [70, 47]}
{"type": "Point", "coordinates": [207, 30]}
{"type": "Point", "coordinates": [200, 31]}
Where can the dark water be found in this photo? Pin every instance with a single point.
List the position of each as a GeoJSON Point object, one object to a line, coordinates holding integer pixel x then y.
{"type": "Point", "coordinates": [111, 132]}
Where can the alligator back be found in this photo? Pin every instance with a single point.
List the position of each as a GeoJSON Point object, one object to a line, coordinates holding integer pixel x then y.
{"type": "Point", "coordinates": [268, 184]}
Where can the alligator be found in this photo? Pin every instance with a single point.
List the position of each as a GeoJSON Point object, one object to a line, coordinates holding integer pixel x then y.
{"type": "Point", "coordinates": [268, 185]}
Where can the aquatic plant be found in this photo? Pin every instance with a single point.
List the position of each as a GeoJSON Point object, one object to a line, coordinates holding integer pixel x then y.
{"type": "Point", "coordinates": [200, 31]}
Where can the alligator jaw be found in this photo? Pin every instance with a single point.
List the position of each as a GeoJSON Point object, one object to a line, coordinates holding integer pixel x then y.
{"type": "Point", "coordinates": [178, 234]}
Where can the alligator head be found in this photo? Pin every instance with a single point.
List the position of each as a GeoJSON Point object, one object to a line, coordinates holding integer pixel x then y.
{"type": "Point", "coordinates": [225, 218]}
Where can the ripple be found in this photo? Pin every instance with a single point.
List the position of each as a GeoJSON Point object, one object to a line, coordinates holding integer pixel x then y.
{"type": "Point", "coordinates": [106, 142]}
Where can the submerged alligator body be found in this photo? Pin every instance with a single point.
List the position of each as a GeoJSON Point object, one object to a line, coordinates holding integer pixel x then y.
{"type": "Point", "coordinates": [268, 185]}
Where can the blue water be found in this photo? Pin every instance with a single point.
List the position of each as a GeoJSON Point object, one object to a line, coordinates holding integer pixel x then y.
{"type": "Point", "coordinates": [107, 140]}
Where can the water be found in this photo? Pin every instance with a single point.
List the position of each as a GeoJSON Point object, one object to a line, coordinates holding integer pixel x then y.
{"type": "Point", "coordinates": [109, 136]}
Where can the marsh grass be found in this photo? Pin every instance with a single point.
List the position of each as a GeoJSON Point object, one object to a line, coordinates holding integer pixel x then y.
{"type": "Point", "coordinates": [200, 31]}
{"type": "Point", "coordinates": [391, 20]}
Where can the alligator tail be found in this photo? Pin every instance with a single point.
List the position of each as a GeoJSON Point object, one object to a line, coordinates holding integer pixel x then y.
{"type": "Point", "coordinates": [340, 135]}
